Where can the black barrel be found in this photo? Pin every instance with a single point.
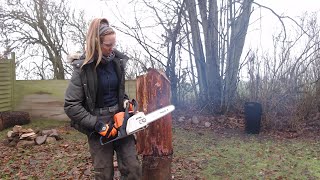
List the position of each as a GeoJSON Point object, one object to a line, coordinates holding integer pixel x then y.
{"type": "Point", "coordinates": [253, 112]}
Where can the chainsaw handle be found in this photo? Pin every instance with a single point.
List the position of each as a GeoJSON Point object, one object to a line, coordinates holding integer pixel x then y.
{"type": "Point", "coordinates": [132, 105]}
{"type": "Point", "coordinates": [123, 128]}
{"type": "Point", "coordinates": [135, 105]}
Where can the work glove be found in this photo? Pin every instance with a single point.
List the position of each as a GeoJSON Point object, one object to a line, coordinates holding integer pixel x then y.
{"type": "Point", "coordinates": [105, 129]}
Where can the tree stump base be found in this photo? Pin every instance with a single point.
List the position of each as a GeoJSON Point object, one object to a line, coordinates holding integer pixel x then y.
{"type": "Point", "coordinates": [156, 167]}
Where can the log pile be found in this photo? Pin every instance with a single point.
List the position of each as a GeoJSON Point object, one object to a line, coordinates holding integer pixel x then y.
{"type": "Point", "coordinates": [20, 137]}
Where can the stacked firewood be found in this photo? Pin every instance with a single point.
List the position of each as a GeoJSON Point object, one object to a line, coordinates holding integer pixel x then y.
{"type": "Point", "coordinates": [21, 137]}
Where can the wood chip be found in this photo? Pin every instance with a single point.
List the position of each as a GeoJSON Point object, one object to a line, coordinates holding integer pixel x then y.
{"type": "Point", "coordinates": [28, 135]}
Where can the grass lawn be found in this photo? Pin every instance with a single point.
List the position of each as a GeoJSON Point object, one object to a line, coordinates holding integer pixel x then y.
{"type": "Point", "coordinates": [197, 155]}
{"type": "Point", "coordinates": [216, 156]}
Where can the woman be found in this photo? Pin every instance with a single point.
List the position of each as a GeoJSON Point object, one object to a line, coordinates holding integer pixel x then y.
{"type": "Point", "coordinates": [95, 93]}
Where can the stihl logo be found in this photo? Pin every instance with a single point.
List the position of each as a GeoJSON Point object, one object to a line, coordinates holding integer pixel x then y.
{"type": "Point", "coordinates": [141, 120]}
{"type": "Point", "coordinates": [164, 111]}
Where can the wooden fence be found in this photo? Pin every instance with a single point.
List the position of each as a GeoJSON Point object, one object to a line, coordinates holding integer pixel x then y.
{"type": "Point", "coordinates": [44, 98]}
{"type": "Point", "coordinates": [7, 81]}
{"type": "Point", "coordinates": [40, 98]}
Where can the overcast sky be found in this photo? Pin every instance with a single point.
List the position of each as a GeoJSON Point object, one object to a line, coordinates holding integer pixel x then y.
{"type": "Point", "coordinates": [259, 31]}
{"type": "Point", "coordinates": [290, 7]}
{"type": "Point", "coordinates": [262, 31]}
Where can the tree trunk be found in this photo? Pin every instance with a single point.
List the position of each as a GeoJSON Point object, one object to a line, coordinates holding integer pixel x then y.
{"type": "Point", "coordinates": [239, 28]}
{"type": "Point", "coordinates": [210, 30]}
{"type": "Point", "coordinates": [198, 51]}
{"type": "Point", "coordinates": [12, 118]}
{"type": "Point", "coordinates": [193, 80]}
{"type": "Point", "coordinates": [171, 72]}
{"type": "Point", "coordinates": [155, 142]}
{"type": "Point", "coordinates": [58, 68]}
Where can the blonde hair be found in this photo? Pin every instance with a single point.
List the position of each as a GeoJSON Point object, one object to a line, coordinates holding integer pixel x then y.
{"type": "Point", "coordinates": [94, 38]}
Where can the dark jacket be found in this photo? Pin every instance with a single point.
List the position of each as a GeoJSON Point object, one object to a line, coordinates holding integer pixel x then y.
{"type": "Point", "coordinates": [81, 93]}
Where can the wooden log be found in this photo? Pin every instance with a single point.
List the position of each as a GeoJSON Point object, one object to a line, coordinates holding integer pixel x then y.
{"type": "Point", "coordinates": [12, 118]}
{"type": "Point", "coordinates": [155, 142]}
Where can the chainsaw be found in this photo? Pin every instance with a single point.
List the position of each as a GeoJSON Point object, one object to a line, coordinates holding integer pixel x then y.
{"type": "Point", "coordinates": [131, 121]}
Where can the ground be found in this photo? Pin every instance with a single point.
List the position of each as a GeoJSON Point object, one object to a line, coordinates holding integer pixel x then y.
{"type": "Point", "coordinates": [221, 151]}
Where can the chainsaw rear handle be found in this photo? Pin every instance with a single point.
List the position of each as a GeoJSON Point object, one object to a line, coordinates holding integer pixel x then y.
{"type": "Point", "coordinates": [132, 106]}
{"type": "Point", "coordinates": [123, 128]}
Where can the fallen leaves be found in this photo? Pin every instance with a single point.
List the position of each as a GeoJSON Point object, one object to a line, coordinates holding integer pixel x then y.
{"type": "Point", "coordinates": [196, 150]}
{"type": "Point", "coordinates": [62, 160]}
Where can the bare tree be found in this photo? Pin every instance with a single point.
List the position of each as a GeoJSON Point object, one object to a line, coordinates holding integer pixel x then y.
{"type": "Point", "coordinates": [213, 35]}
{"type": "Point", "coordinates": [198, 50]}
{"type": "Point", "coordinates": [30, 25]}
{"type": "Point", "coordinates": [238, 27]}
{"type": "Point", "coordinates": [172, 32]}
{"type": "Point", "coordinates": [78, 26]}
{"type": "Point", "coordinates": [209, 18]}
{"type": "Point", "coordinates": [286, 83]}
{"type": "Point", "coordinates": [223, 40]}
{"type": "Point", "coordinates": [162, 47]}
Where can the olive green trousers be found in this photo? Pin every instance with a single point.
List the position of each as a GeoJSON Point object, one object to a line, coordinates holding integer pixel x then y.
{"type": "Point", "coordinates": [102, 157]}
